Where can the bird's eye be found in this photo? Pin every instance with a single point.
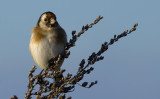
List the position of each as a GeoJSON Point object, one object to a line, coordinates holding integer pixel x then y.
{"type": "Point", "coordinates": [45, 19]}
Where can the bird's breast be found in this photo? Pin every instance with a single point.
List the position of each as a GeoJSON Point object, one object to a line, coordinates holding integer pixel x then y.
{"type": "Point", "coordinates": [45, 49]}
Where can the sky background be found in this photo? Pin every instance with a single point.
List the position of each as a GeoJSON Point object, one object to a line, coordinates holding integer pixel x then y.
{"type": "Point", "coordinates": [131, 67]}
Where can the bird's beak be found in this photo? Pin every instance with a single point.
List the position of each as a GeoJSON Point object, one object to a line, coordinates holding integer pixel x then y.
{"type": "Point", "coordinates": [53, 23]}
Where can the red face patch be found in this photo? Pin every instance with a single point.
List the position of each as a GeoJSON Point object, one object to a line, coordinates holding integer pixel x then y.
{"type": "Point", "coordinates": [50, 15]}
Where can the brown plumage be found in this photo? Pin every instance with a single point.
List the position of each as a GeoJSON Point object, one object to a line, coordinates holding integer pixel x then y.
{"type": "Point", "coordinates": [48, 40]}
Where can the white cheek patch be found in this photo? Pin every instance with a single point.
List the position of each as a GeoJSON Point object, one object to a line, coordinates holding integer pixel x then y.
{"type": "Point", "coordinates": [42, 22]}
{"type": "Point", "coordinates": [43, 17]}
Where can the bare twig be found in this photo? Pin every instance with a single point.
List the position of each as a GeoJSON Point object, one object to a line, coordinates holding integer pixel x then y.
{"type": "Point", "coordinates": [45, 80]}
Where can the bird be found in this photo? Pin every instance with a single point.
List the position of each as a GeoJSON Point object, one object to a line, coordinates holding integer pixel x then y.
{"type": "Point", "coordinates": [48, 40]}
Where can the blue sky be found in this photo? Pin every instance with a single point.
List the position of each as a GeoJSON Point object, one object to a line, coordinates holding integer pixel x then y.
{"type": "Point", "coordinates": [131, 67]}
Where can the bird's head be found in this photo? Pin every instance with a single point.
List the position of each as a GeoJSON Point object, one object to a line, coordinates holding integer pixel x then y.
{"type": "Point", "coordinates": [47, 21]}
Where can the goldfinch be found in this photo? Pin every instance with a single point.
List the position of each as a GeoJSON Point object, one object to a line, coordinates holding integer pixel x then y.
{"type": "Point", "coordinates": [48, 40]}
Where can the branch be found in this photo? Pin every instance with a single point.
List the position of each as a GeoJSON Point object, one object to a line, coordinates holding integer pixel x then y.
{"type": "Point", "coordinates": [45, 80]}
